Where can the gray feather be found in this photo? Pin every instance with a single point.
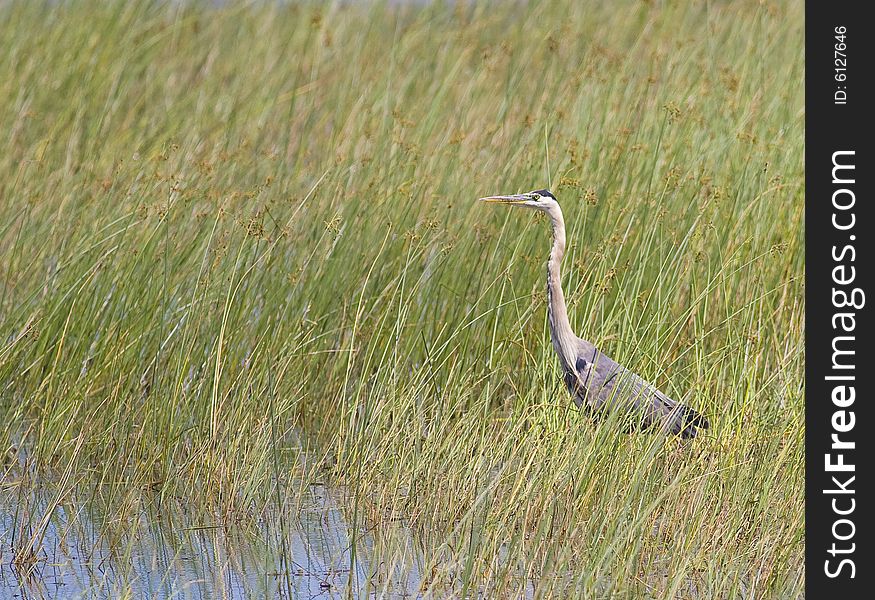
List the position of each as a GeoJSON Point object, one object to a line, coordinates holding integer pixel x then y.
{"type": "Point", "coordinates": [599, 384]}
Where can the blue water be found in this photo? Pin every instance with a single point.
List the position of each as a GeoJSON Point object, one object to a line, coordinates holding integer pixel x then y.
{"type": "Point", "coordinates": [174, 554]}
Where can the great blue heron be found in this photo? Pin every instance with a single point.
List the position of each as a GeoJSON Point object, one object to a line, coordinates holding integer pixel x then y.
{"type": "Point", "coordinates": [596, 382]}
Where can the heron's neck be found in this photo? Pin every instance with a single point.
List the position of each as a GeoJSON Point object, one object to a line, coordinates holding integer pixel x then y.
{"type": "Point", "coordinates": [560, 329]}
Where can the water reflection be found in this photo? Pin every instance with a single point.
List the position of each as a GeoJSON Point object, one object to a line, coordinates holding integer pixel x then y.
{"type": "Point", "coordinates": [171, 553]}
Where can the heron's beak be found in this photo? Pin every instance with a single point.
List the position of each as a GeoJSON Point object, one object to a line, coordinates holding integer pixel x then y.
{"type": "Point", "coordinates": [516, 199]}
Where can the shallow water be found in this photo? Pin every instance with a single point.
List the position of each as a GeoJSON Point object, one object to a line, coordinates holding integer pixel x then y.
{"type": "Point", "coordinates": [178, 555]}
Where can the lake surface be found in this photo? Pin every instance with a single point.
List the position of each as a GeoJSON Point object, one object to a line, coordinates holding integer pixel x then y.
{"type": "Point", "coordinates": [178, 555]}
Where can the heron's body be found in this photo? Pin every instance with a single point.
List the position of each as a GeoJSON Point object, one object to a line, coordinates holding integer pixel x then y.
{"type": "Point", "coordinates": [595, 382]}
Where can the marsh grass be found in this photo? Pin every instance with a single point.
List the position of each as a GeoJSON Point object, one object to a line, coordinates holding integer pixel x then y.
{"type": "Point", "coordinates": [240, 254]}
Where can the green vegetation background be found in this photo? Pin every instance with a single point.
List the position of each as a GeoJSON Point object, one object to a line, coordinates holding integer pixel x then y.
{"type": "Point", "coordinates": [240, 252]}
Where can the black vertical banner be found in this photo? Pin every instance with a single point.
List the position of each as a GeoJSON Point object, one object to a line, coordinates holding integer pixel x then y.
{"type": "Point", "coordinates": [838, 197]}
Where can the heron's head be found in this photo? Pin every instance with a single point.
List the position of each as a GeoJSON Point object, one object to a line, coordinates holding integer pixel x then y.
{"type": "Point", "coordinates": [542, 200]}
